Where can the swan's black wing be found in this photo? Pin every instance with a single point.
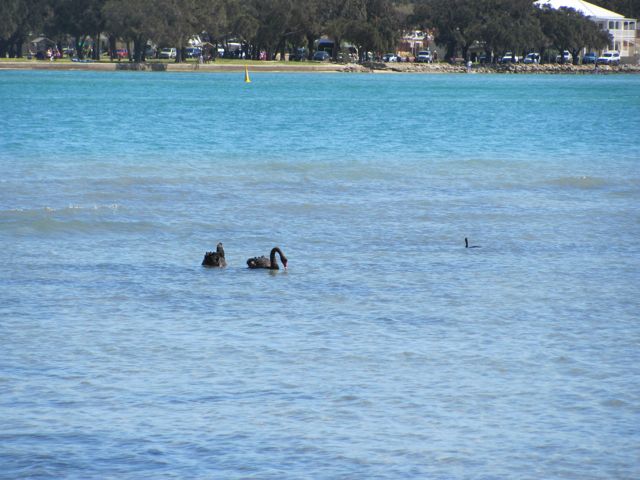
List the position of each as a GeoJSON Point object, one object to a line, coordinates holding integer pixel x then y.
{"type": "Point", "coordinates": [213, 259]}
{"type": "Point", "coordinates": [259, 262]}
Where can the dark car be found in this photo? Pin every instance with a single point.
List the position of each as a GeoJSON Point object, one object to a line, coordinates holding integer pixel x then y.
{"type": "Point", "coordinates": [321, 56]}
{"type": "Point", "coordinates": [150, 52]}
{"type": "Point", "coordinates": [192, 52]}
{"type": "Point", "coordinates": [590, 57]}
{"type": "Point", "coordinates": [298, 55]}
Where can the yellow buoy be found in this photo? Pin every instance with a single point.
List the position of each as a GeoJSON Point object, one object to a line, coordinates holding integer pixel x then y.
{"type": "Point", "coordinates": [246, 74]}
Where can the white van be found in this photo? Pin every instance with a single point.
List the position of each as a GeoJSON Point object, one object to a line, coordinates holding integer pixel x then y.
{"type": "Point", "coordinates": [424, 57]}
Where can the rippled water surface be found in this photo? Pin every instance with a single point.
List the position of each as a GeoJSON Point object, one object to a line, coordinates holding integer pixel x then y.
{"type": "Point", "coordinates": [387, 350]}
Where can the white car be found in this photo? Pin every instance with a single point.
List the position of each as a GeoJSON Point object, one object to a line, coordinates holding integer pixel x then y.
{"type": "Point", "coordinates": [509, 58]}
{"type": "Point", "coordinates": [390, 57]}
{"type": "Point", "coordinates": [424, 57]}
{"type": "Point", "coordinates": [566, 57]}
{"type": "Point", "coordinates": [609, 58]}
{"type": "Point", "coordinates": [168, 53]}
{"type": "Point", "coordinates": [532, 58]}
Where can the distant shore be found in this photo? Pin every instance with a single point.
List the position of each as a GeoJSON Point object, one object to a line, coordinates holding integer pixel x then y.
{"type": "Point", "coordinates": [371, 67]}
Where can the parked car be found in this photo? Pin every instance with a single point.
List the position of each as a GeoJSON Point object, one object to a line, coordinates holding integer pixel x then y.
{"type": "Point", "coordinates": [509, 57]}
{"type": "Point", "coordinates": [424, 57]}
{"type": "Point", "coordinates": [192, 52]}
{"type": "Point", "coordinates": [484, 58]}
{"type": "Point", "coordinates": [346, 57]}
{"type": "Point", "coordinates": [321, 56]}
{"type": "Point", "coordinates": [532, 58]}
{"type": "Point", "coordinates": [609, 58]}
{"type": "Point", "coordinates": [389, 57]}
{"type": "Point", "coordinates": [168, 53]}
{"type": "Point", "coordinates": [566, 57]}
{"type": "Point", "coordinates": [120, 53]}
{"type": "Point", "coordinates": [590, 57]}
{"type": "Point", "coordinates": [149, 52]}
{"type": "Point", "coordinates": [298, 55]}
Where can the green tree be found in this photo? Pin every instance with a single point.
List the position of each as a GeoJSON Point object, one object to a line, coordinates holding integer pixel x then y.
{"type": "Point", "coordinates": [133, 21]}
{"type": "Point", "coordinates": [80, 19]}
{"type": "Point", "coordinates": [457, 23]}
{"type": "Point", "coordinates": [378, 30]}
{"type": "Point", "coordinates": [567, 29]}
{"type": "Point", "coordinates": [509, 25]}
{"type": "Point", "coordinates": [178, 21]}
{"type": "Point", "coordinates": [18, 18]}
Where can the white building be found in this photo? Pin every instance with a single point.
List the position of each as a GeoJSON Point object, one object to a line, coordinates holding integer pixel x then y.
{"type": "Point", "coordinates": [623, 30]}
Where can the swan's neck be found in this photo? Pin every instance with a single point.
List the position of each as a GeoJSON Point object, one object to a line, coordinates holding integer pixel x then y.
{"type": "Point", "coordinates": [466, 243]}
{"type": "Point", "coordinates": [272, 257]}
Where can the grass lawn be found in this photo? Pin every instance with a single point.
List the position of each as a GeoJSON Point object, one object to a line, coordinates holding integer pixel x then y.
{"type": "Point", "coordinates": [219, 61]}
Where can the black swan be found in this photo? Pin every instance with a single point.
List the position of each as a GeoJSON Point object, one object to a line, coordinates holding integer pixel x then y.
{"type": "Point", "coordinates": [270, 263]}
{"type": "Point", "coordinates": [215, 259]}
{"type": "Point", "coordinates": [466, 244]}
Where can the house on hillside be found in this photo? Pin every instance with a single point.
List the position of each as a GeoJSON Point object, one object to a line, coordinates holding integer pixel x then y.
{"type": "Point", "coordinates": [622, 30]}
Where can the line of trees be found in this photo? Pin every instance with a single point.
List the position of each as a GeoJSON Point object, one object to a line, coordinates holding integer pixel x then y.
{"type": "Point", "coordinates": [260, 25]}
{"type": "Point", "coordinates": [507, 25]}
{"type": "Point", "coordinates": [276, 26]}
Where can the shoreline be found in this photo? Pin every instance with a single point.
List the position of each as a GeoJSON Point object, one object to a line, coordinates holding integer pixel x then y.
{"type": "Point", "coordinates": [303, 67]}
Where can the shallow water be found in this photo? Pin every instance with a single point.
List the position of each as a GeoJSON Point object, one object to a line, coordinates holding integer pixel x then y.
{"type": "Point", "coordinates": [387, 350]}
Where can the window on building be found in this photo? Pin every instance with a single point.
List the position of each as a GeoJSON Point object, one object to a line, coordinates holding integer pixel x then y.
{"type": "Point", "coordinates": [612, 25]}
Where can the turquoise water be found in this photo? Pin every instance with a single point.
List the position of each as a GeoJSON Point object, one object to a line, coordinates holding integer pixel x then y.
{"type": "Point", "coordinates": [387, 349]}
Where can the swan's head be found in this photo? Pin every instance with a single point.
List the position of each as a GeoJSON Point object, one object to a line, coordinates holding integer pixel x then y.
{"type": "Point", "coordinates": [284, 261]}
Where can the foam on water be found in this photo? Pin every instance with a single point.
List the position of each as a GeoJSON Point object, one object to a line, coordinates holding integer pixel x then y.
{"type": "Point", "coordinates": [387, 350]}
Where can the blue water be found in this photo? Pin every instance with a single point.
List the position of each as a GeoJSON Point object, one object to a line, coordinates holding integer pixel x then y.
{"type": "Point", "coordinates": [387, 350]}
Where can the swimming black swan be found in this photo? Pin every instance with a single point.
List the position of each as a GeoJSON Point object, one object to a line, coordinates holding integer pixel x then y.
{"type": "Point", "coordinates": [466, 244]}
{"type": "Point", "coordinates": [270, 263]}
{"type": "Point", "coordinates": [215, 259]}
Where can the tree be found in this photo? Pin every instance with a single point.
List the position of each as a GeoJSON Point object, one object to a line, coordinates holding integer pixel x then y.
{"type": "Point", "coordinates": [134, 21]}
{"type": "Point", "coordinates": [457, 22]}
{"type": "Point", "coordinates": [212, 16]}
{"type": "Point", "coordinates": [509, 25]}
{"type": "Point", "coordinates": [17, 19]}
{"type": "Point", "coordinates": [274, 21]}
{"type": "Point", "coordinates": [377, 31]}
{"type": "Point", "coordinates": [80, 19]}
{"type": "Point", "coordinates": [179, 20]}
{"type": "Point", "coordinates": [242, 24]}
{"type": "Point", "coordinates": [341, 14]}
{"type": "Point", "coordinates": [567, 29]}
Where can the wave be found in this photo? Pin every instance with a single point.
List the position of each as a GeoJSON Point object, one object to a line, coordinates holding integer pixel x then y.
{"type": "Point", "coordinates": [580, 182]}
{"type": "Point", "coordinates": [73, 218]}
{"type": "Point", "coordinates": [71, 208]}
